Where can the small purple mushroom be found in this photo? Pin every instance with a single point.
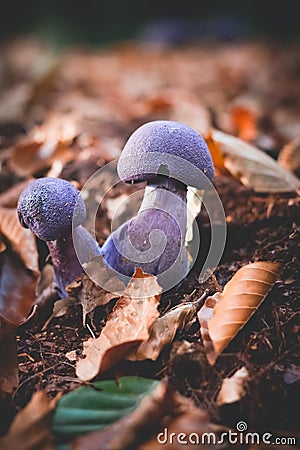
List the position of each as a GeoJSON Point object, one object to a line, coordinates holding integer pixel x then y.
{"type": "Point", "coordinates": [48, 206]}
{"type": "Point", "coordinates": [170, 156]}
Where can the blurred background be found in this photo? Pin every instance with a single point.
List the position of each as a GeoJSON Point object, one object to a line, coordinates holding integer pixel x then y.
{"type": "Point", "coordinates": [97, 22]}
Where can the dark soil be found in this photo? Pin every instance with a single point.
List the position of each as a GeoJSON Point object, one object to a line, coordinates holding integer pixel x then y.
{"type": "Point", "coordinates": [268, 345]}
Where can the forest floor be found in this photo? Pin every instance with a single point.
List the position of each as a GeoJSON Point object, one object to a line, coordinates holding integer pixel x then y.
{"type": "Point", "coordinates": [80, 108]}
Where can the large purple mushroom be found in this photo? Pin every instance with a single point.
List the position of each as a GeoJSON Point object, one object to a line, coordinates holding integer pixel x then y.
{"type": "Point", "coordinates": [170, 156]}
{"type": "Point", "coordinates": [48, 206]}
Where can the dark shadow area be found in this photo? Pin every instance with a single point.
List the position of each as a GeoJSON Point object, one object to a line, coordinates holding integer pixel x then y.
{"type": "Point", "coordinates": [96, 22]}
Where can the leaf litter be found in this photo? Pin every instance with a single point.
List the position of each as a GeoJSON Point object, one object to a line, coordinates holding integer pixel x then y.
{"type": "Point", "coordinates": [260, 226]}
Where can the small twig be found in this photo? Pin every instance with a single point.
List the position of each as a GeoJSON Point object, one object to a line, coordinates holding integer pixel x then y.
{"type": "Point", "coordinates": [199, 302]}
{"type": "Point", "coordinates": [216, 284]}
{"type": "Point", "coordinates": [42, 372]}
{"type": "Point", "coordinates": [91, 331]}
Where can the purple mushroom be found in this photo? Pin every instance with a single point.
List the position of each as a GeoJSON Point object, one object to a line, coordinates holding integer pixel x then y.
{"type": "Point", "coordinates": [47, 206]}
{"type": "Point", "coordinates": [170, 156]}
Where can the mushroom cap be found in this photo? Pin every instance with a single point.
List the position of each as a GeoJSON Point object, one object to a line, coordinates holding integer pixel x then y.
{"type": "Point", "coordinates": [179, 152]}
{"type": "Point", "coordinates": [48, 206]}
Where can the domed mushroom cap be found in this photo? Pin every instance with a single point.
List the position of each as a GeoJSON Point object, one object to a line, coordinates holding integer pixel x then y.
{"type": "Point", "coordinates": [168, 148]}
{"type": "Point", "coordinates": [47, 208]}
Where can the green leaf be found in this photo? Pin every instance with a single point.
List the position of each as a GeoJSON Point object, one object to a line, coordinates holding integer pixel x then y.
{"type": "Point", "coordinates": [91, 408]}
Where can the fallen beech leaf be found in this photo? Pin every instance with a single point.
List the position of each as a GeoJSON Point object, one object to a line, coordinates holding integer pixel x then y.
{"type": "Point", "coordinates": [232, 389]}
{"type": "Point", "coordinates": [22, 240]}
{"type": "Point", "coordinates": [30, 157]}
{"type": "Point", "coordinates": [60, 308]}
{"type": "Point", "coordinates": [185, 109]}
{"type": "Point", "coordinates": [9, 198]}
{"type": "Point", "coordinates": [128, 325]}
{"type": "Point", "coordinates": [241, 297]}
{"type": "Point", "coordinates": [215, 152]}
{"type": "Point", "coordinates": [2, 245]}
{"type": "Point", "coordinates": [30, 429]}
{"type": "Point", "coordinates": [17, 288]}
{"type": "Point", "coordinates": [185, 431]}
{"type": "Point", "coordinates": [163, 332]}
{"type": "Point", "coordinates": [205, 314]}
{"type": "Point", "coordinates": [9, 373]}
{"type": "Point", "coordinates": [243, 121]}
{"type": "Point", "coordinates": [289, 157]}
{"type": "Point", "coordinates": [253, 167]}
{"type": "Point", "coordinates": [96, 407]}
{"type": "Point", "coordinates": [91, 295]}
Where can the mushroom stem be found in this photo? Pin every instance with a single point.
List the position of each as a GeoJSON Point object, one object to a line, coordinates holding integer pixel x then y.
{"type": "Point", "coordinates": [65, 260]}
{"type": "Point", "coordinates": [154, 238]}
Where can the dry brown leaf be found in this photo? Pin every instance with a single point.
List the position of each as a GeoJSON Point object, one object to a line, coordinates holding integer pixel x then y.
{"type": "Point", "coordinates": [215, 152]}
{"type": "Point", "coordinates": [91, 295]}
{"type": "Point", "coordinates": [22, 240]}
{"type": "Point", "coordinates": [204, 316]}
{"type": "Point", "coordinates": [289, 157]}
{"type": "Point", "coordinates": [31, 429]}
{"type": "Point", "coordinates": [184, 431]}
{"type": "Point", "coordinates": [243, 121]}
{"type": "Point", "coordinates": [30, 157]}
{"type": "Point", "coordinates": [2, 245]}
{"type": "Point", "coordinates": [253, 167]}
{"type": "Point", "coordinates": [60, 308]}
{"type": "Point", "coordinates": [241, 297]}
{"type": "Point", "coordinates": [17, 288]}
{"type": "Point", "coordinates": [128, 325]}
{"type": "Point", "coordinates": [163, 332]}
{"type": "Point", "coordinates": [233, 388]}
{"type": "Point", "coordinates": [9, 198]}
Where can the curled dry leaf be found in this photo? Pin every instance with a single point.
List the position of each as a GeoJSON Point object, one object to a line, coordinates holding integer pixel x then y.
{"type": "Point", "coordinates": [204, 316]}
{"type": "Point", "coordinates": [45, 144]}
{"type": "Point", "coordinates": [163, 332]}
{"type": "Point", "coordinates": [253, 167]}
{"type": "Point", "coordinates": [185, 430]}
{"type": "Point", "coordinates": [289, 157]}
{"type": "Point", "coordinates": [2, 245]}
{"type": "Point", "coordinates": [128, 325]}
{"type": "Point", "coordinates": [233, 388]}
{"type": "Point", "coordinates": [9, 198]}
{"type": "Point", "coordinates": [215, 152]}
{"type": "Point", "coordinates": [30, 157]}
{"type": "Point", "coordinates": [60, 308]}
{"type": "Point", "coordinates": [22, 240]}
{"type": "Point", "coordinates": [244, 122]}
{"type": "Point", "coordinates": [224, 314]}
{"type": "Point", "coordinates": [90, 294]}
{"type": "Point", "coordinates": [30, 429]}
{"type": "Point", "coordinates": [17, 288]}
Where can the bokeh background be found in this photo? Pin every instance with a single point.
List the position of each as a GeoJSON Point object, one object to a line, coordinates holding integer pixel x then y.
{"type": "Point", "coordinates": [95, 22]}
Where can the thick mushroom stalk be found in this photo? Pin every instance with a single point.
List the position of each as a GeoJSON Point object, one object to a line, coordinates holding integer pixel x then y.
{"type": "Point", "coordinates": [170, 156]}
{"type": "Point", "coordinates": [49, 207]}
{"type": "Point", "coordinates": [154, 238]}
